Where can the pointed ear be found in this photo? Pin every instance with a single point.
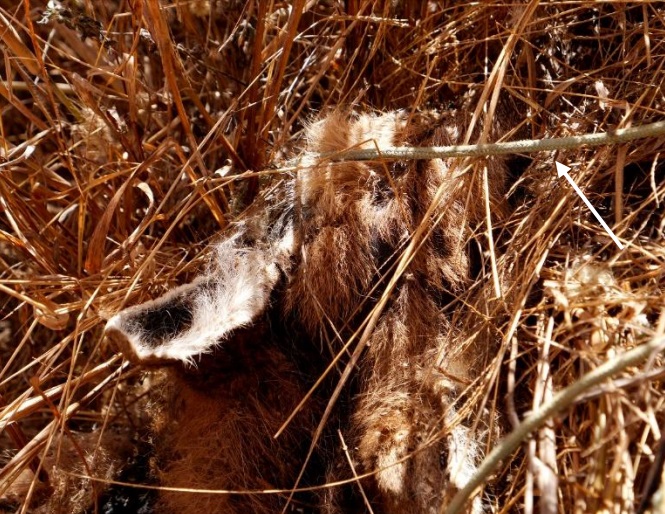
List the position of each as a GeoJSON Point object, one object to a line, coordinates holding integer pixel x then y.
{"type": "Point", "coordinates": [194, 318]}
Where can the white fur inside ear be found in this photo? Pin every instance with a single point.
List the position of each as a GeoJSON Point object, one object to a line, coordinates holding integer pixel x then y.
{"type": "Point", "coordinates": [194, 318]}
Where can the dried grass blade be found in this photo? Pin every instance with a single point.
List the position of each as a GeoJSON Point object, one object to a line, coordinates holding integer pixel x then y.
{"type": "Point", "coordinates": [11, 38]}
{"type": "Point", "coordinates": [161, 35]}
{"type": "Point", "coordinates": [93, 261]}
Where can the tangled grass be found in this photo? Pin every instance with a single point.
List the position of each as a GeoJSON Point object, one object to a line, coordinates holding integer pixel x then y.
{"type": "Point", "coordinates": [132, 132]}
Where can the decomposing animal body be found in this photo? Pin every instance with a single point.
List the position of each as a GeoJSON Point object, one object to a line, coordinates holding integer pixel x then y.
{"type": "Point", "coordinates": [281, 296]}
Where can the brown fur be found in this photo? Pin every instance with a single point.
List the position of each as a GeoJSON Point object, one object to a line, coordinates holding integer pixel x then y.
{"type": "Point", "coordinates": [330, 239]}
{"type": "Point", "coordinates": [217, 434]}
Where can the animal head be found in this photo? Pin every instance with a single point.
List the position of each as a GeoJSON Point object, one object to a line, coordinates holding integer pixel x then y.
{"type": "Point", "coordinates": [315, 252]}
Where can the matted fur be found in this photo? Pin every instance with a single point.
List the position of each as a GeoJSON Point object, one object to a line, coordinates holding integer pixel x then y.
{"type": "Point", "coordinates": [284, 292]}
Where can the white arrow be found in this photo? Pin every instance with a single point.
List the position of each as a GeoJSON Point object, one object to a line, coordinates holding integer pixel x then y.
{"type": "Point", "coordinates": [562, 169]}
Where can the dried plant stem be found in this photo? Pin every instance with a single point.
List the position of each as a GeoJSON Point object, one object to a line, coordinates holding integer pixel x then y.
{"type": "Point", "coordinates": [345, 448]}
{"type": "Point", "coordinates": [9, 472]}
{"type": "Point", "coordinates": [537, 419]}
{"type": "Point", "coordinates": [22, 407]}
{"type": "Point", "coordinates": [509, 147]}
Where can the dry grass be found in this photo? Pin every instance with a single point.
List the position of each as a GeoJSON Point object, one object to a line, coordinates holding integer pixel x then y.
{"type": "Point", "coordinates": [128, 131]}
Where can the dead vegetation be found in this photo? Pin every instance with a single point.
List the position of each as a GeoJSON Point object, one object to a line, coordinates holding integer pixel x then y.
{"type": "Point", "coordinates": [133, 132]}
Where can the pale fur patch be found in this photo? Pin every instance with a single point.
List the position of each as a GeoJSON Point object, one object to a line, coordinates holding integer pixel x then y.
{"type": "Point", "coordinates": [392, 474]}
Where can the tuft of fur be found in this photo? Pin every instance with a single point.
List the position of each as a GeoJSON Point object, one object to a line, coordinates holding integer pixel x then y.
{"type": "Point", "coordinates": [297, 278]}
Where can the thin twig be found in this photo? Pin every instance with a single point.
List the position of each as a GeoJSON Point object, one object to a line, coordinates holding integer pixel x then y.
{"type": "Point", "coordinates": [508, 147]}
{"type": "Point", "coordinates": [345, 449]}
{"type": "Point", "coordinates": [537, 419]}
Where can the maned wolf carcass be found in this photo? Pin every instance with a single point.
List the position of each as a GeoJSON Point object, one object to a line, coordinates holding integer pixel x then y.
{"type": "Point", "coordinates": [284, 291]}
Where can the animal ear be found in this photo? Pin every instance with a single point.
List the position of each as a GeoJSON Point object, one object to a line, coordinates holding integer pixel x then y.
{"type": "Point", "coordinates": [194, 318]}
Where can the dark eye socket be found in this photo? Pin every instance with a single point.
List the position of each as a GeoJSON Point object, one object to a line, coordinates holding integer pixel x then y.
{"type": "Point", "coordinates": [399, 168]}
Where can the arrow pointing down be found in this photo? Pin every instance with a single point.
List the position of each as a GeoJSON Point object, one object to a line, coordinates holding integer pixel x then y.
{"type": "Point", "coordinates": [562, 170]}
